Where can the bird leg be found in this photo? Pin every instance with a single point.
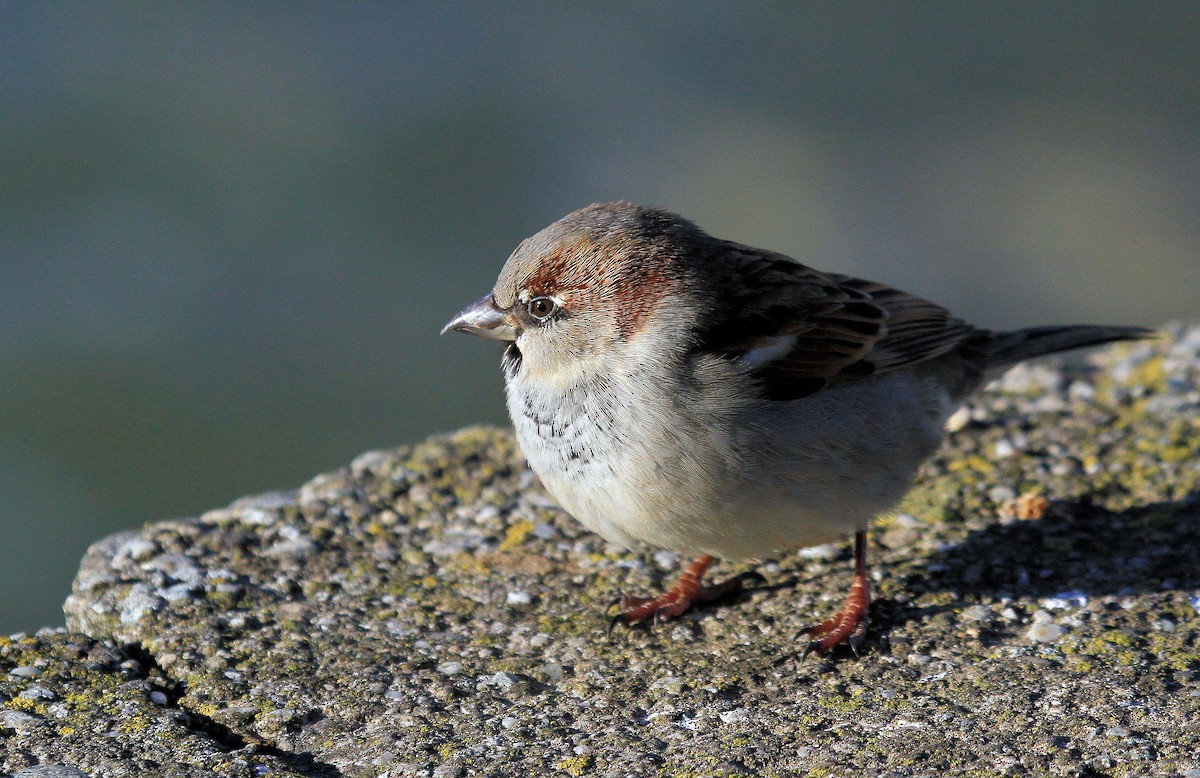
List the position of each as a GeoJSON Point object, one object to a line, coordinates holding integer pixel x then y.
{"type": "Point", "coordinates": [850, 623]}
{"type": "Point", "coordinates": [687, 591]}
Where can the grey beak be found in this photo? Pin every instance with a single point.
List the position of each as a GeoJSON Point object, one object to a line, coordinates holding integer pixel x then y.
{"type": "Point", "coordinates": [483, 318]}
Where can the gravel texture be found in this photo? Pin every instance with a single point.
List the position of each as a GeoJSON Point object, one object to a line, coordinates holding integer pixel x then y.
{"type": "Point", "coordinates": [427, 611]}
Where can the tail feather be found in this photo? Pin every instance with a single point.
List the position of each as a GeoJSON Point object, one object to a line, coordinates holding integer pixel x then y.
{"type": "Point", "coordinates": [1008, 348]}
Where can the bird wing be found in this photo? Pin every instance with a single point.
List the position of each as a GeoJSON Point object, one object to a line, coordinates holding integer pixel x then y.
{"type": "Point", "coordinates": [800, 330]}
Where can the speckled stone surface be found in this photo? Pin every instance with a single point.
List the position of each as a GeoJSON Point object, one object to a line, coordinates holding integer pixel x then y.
{"type": "Point", "coordinates": [427, 611]}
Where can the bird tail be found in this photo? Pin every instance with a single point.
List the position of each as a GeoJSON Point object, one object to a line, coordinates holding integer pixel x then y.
{"type": "Point", "coordinates": [1009, 348]}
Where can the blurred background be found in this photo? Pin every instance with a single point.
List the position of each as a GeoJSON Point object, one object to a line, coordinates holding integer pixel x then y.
{"type": "Point", "coordinates": [230, 233]}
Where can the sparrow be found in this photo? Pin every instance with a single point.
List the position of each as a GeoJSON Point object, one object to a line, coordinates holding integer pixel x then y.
{"type": "Point", "coordinates": [678, 391]}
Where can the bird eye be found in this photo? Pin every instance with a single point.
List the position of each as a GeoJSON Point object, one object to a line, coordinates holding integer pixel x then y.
{"type": "Point", "coordinates": [541, 308]}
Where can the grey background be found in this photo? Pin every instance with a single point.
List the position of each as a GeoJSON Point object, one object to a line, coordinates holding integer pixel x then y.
{"type": "Point", "coordinates": [229, 234]}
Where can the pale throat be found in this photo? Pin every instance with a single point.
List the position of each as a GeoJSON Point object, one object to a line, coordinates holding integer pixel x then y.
{"type": "Point", "coordinates": [557, 371]}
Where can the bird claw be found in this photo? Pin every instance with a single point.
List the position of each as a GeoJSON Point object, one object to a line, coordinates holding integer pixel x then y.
{"type": "Point", "coordinates": [626, 604]}
{"type": "Point", "coordinates": [827, 644]}
{"type": "Point", "coordinates": [848, 625]}
{"type": "Point", "coordinates": [652, 611]}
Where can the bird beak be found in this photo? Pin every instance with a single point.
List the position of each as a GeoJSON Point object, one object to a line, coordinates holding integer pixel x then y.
{"type": "Point", "coordinates": [483, 318]}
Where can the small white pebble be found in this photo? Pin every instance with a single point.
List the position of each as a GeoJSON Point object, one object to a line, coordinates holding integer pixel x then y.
{"type": "Point", "coordinates": [1046, 632]}
{"type": "Point", "coordinates": [501, 680]}
{"type": "Point", "coordinates": [682, 633]}
{"type": "Point", "coordinates": [158, 698]}
{"type": "Point", "coordinates": [450, 668]}
{"type": "Point", "coordinates": [281, 714]}
{"type": "Point", "coordinates": [958, 419]}
{"type": "Point", "coordinates": [539, 640]}
{"type": "Point", "coordinates": [734, 716]}
{"type": "Point", "coordinates": [508, 722]}
{"type": "Point", "coordinates": [518, 598]}
{"type": "Point", "coordinates": [667, 560]}
{"type": "Point", "coordinates": [15, 719]}
{"type": "Point", "coordinates": [258, 517]}
{"type": "Point", "coordinates": [977, 613]}
{"type": "Point", "coordinates": [38, 693]}
{"type": "Point", "coordinates": [669, 684]}
{"type": "Point", "coordinates": [999, 494]}
{"type": "Point", "coordinates": [825, 552]}
{"type": "Point", "coordinates": [1081, 390]}
{"type": "Point", "coordinates": [1072, 598]}
{"type": "Point", "coordinates": [137, 549]}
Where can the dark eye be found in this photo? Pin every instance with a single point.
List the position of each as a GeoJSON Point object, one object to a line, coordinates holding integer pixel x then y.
{"type": "Point", "coordinates": [542, 307]}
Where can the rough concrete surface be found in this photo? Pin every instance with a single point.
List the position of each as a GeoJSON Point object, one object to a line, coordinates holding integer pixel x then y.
{"type": "Point", "coordinates": [428, 611]}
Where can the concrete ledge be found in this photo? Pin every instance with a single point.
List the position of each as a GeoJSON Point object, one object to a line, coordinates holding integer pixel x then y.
{"type": "Point", "coordinates": [428, 611]}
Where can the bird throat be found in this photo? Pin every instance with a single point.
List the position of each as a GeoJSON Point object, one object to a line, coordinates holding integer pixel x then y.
{"type": "Point", "coordinates": [511, 361]}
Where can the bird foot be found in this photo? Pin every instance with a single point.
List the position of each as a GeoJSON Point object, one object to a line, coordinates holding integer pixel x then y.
{"type": "Point", "coordinates": [687, 592]}
{"type": "Point", "coordinates": [848, 625]}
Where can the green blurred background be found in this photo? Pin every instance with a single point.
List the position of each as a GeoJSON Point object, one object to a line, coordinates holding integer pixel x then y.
{"type": "Point", "coordinates": [229, 233]}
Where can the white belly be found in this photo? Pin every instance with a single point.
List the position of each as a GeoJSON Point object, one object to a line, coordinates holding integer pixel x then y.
{"type": "Point", "coordinates": [764, 477]}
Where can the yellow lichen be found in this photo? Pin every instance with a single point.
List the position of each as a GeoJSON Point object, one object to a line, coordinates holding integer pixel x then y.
{"type": "Point", "coordinates": [26, 706]}
{"type": "Point", "coordinates": [974, 462]}
{"type": "Point", "coordinates": [575, 765]}
{"type": "Point", "coordinates": [516, 534]}
{"type": "Point", "coordinates": [132, 725]}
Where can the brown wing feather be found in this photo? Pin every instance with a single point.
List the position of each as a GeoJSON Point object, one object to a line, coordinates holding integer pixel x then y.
{"type": "Point", "coordinates": [844, 328]}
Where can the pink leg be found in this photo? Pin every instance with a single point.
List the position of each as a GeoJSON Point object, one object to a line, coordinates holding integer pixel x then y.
{"type": "Point", "coordinates": [687, 591]}
{"type": "Point", "coordinates": [849, 625]}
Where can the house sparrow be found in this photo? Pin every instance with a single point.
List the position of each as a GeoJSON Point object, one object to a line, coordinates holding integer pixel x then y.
{"type": "Point", "coordinates": [678, 391]}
